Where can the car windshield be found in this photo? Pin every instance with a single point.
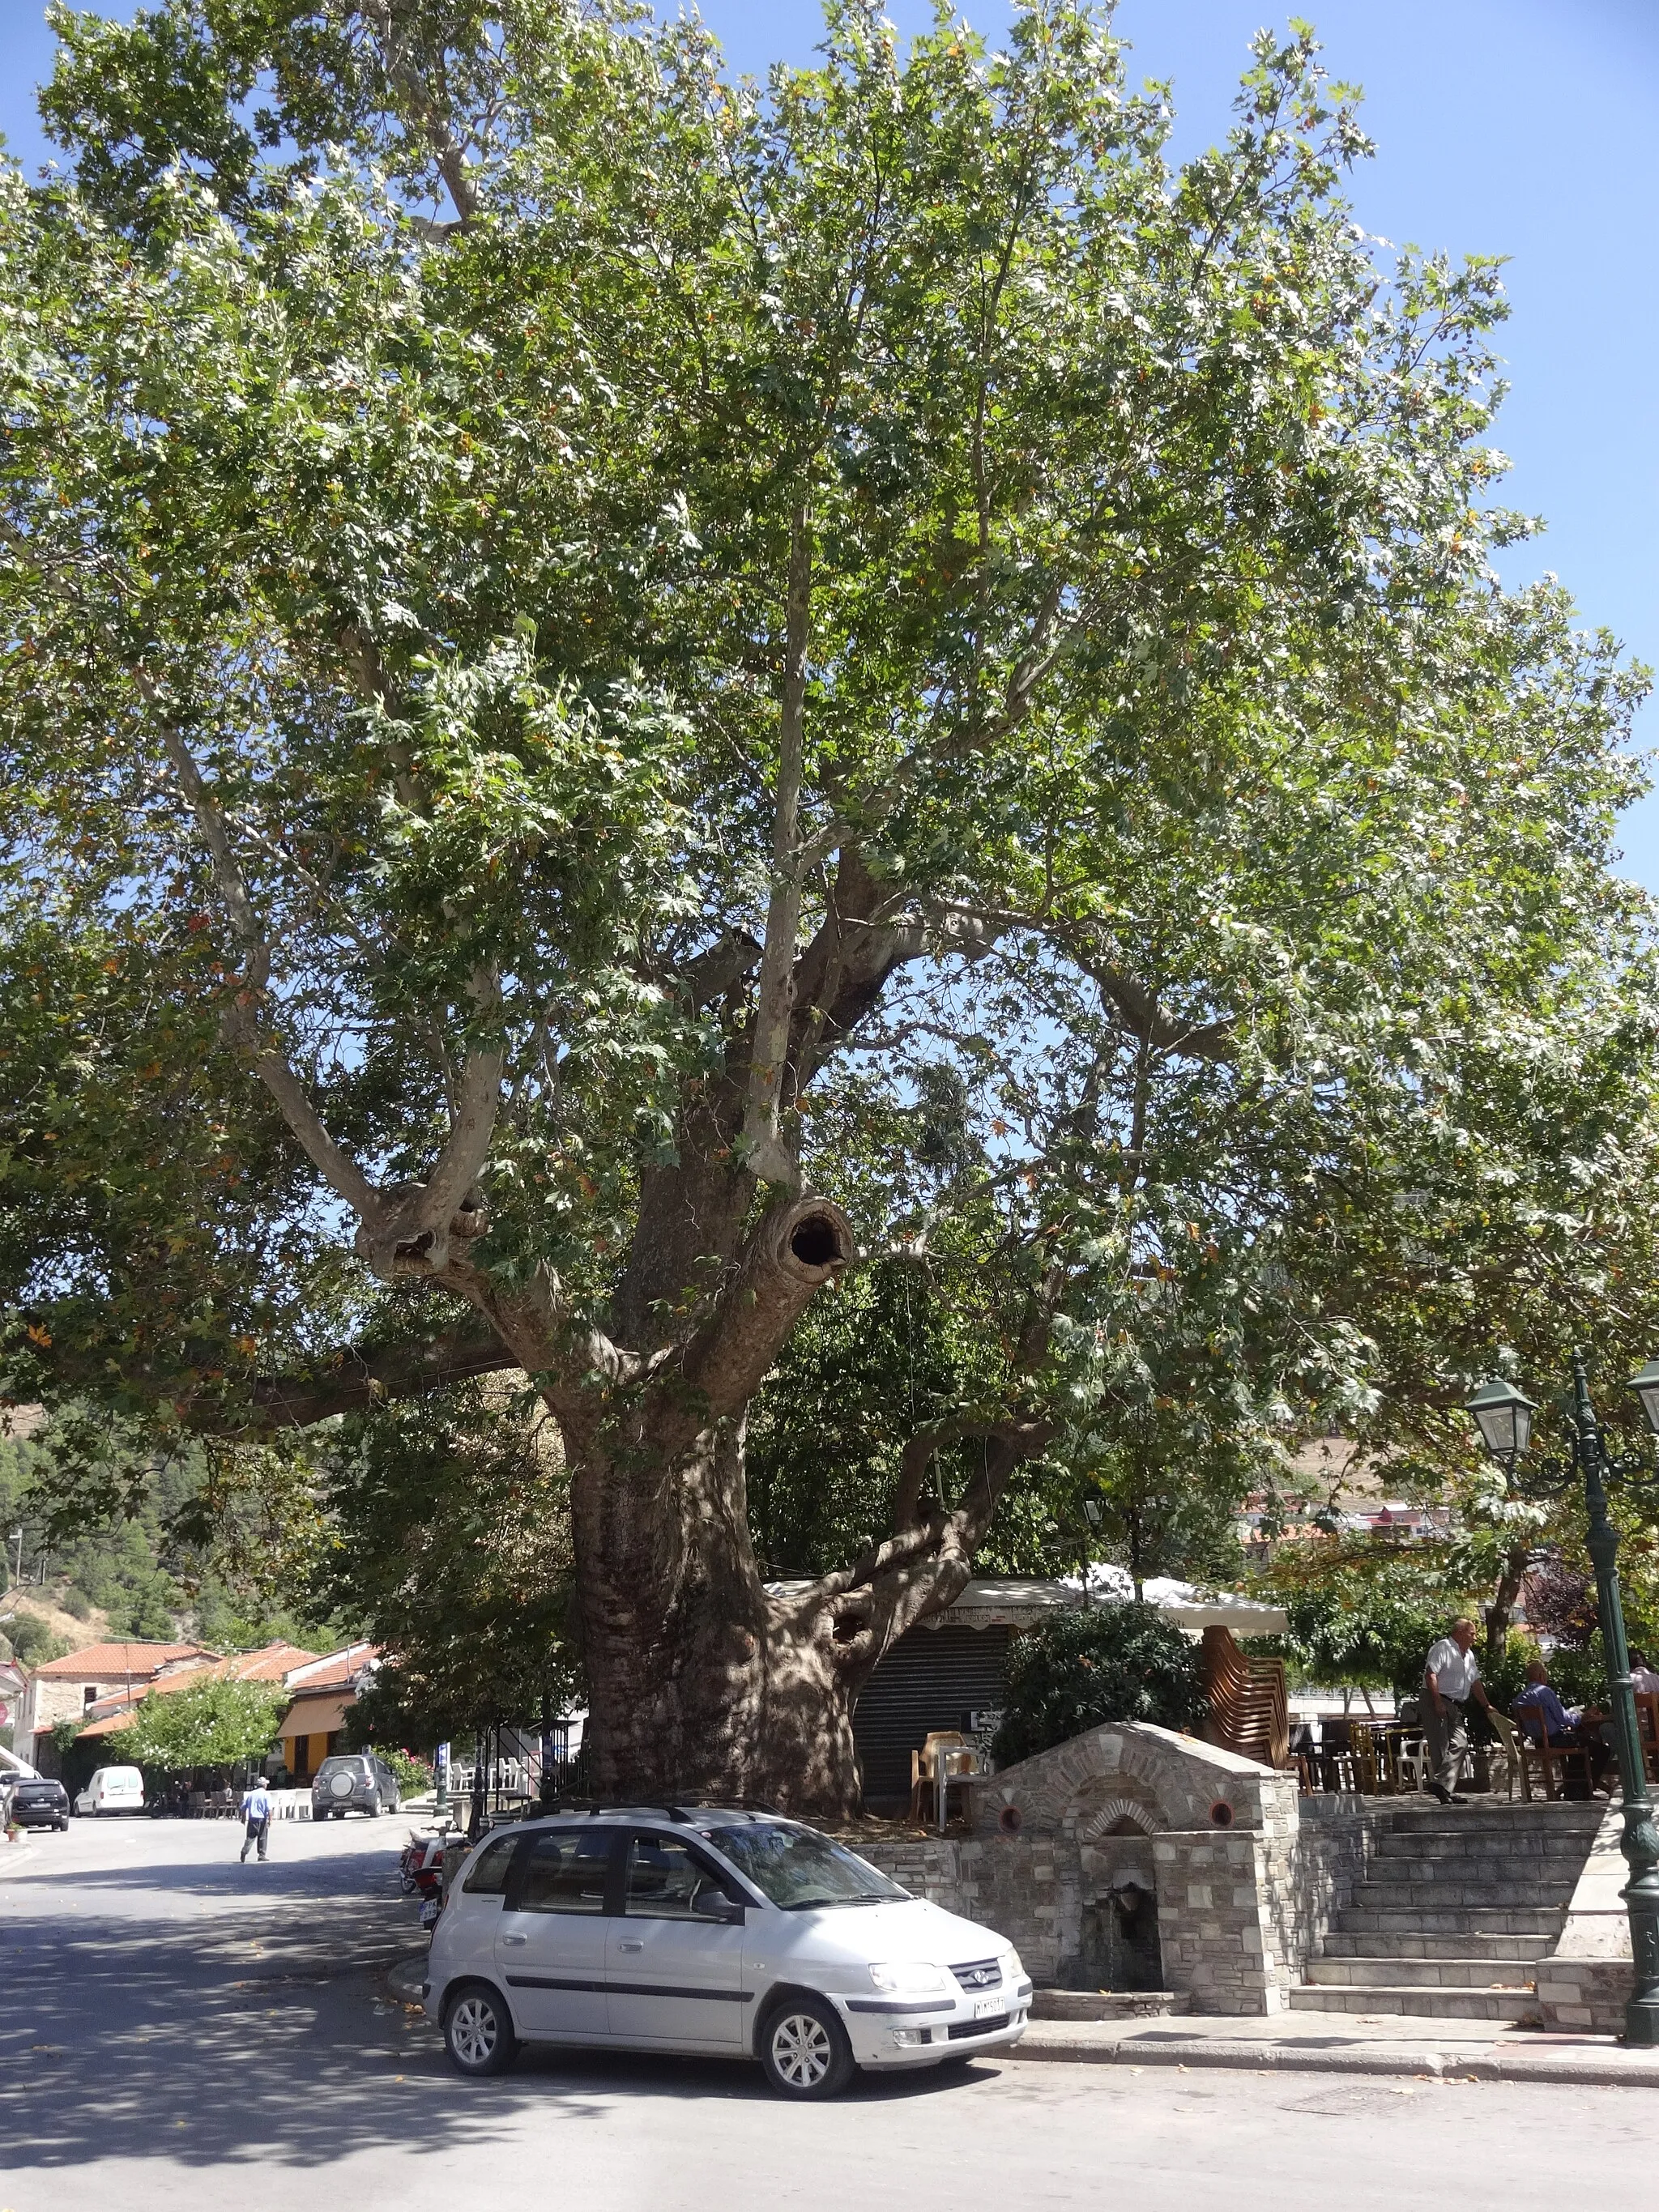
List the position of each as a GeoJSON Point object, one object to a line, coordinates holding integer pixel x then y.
{"type": "Point", "coordinates": [798, 1868]}
{"type": "Point", "coordinates": [339, 1765]}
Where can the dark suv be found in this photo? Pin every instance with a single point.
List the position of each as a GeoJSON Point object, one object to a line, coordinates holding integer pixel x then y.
{"type": "Point", "coordinates": [38, 1803]}
{"type": "Point", "coordinates": [353, 1781]}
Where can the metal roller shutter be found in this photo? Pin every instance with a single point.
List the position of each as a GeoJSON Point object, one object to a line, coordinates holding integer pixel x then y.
{"type": "Point", "coordinates": [931, 1679]}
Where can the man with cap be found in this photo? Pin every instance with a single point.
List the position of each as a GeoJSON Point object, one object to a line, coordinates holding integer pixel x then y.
{"type": "Point", "coordinates": [256, 1811]}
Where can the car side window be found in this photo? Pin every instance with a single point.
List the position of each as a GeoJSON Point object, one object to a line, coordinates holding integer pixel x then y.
{"type": "Point", "coordinates": [565, 1871]}
{"type": "Point", "coordinates": [664, 1877]}
{"type": "Point", "coordinates": [487, 1876]}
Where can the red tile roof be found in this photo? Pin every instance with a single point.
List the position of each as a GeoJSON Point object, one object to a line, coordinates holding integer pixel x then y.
{"type": "Point", "coordinates": [111, 1663]}
{"type": "Point", "coordinates": [339, 1667]}
{"type": "Point", "coordinates": [267, 1664]}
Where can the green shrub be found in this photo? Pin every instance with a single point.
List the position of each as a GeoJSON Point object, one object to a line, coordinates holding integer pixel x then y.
{"type": "Point", "coordinates": [1115, 1662]}
{"type": "Point", "coordinates": [413, 1774]}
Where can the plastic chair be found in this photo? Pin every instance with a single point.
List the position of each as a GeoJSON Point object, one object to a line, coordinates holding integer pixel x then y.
{"type": "Point", "coordinates": [1514, 1767]}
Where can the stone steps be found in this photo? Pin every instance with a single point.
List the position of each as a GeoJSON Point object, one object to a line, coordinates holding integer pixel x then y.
{"type": "Point", "coordinates": [1555, 1858]}
{"type": "Point", "coordinates": [1456, 1915]}
{"type": "Point", "coordinates": [1488, 1920]}
{"type": "Point", "coordinates": [1379, 1949]}
{"type": "Point", "coordinates": [1423, 2004]}
{"type": "Point", "coordinates": [1396, 1972]}
{"type": "Point", "coordinates": [1574, 1813]}
{"type": "Point", "coordinates": [1462, 1893]}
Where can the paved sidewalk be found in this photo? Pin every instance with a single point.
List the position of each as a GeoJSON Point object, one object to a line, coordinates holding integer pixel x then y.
{"type": "Point", "coordinates": [1461, 2049]}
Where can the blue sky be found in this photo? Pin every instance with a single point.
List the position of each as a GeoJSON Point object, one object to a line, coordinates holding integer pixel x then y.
{"type": "Point", "coordinates": [1503, 126]}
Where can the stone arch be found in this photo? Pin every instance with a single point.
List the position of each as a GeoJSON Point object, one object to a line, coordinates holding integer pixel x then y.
{"type": "Point", "coordinates": [1120, 1815]}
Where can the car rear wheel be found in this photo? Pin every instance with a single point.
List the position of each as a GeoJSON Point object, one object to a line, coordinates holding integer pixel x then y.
{"type": "Point", "coordinates": [478, 2032]}
{"type": "Point", "coordinates": [804, 2050]}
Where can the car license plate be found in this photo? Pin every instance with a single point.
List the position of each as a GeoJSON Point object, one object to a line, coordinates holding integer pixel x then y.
{"type": "Point", "coordinates": [429, 1912]}
{"type": "Point", "coordinates": [986, 2007]}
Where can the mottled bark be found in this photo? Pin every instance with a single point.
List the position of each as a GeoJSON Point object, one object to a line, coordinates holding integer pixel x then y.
{"type": "Point", "coordinates": [1500, 1613]}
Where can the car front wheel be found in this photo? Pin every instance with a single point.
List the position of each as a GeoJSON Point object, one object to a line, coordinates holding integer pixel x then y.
{"type": "Point", "coordinates": [804, 2050]}
{"type": "Point", "coordinates": [478, 2032]}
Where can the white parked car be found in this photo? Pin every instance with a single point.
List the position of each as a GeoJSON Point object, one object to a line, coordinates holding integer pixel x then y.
{"type": "Point", "coordinates": [699, 1930]}
{"type": "Point", "coordinates": [112, 1790]}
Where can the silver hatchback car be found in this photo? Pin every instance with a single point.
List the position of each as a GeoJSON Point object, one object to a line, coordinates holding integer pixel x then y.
{"type": "Point", "coordinates": [699, 1930]}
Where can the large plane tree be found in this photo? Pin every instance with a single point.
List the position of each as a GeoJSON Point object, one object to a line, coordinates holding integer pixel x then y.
{"type": "Point", "coordinates": [621, 690]}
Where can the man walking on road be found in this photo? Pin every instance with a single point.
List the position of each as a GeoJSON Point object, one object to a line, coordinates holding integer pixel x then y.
{"type": "Point", "coordinates": [256, 1811]}
{"type": "Point", "coordinates": [1451, 1677]}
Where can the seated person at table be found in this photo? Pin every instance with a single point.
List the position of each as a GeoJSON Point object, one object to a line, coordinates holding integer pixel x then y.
{"type": "Point", "coordinates": [1574, 1731]}
{"type": "Point", "coordinates": [1643, 1679]}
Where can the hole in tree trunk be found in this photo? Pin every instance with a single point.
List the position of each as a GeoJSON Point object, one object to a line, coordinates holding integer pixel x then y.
{"type": "Point", "coordinates": [816, 1242]}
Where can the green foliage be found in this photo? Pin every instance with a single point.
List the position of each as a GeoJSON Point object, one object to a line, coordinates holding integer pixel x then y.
{"type": "Point", "coordinates": [33, 1642]}
{"type": "Point", "coordinates": [1115, 1662]}
{"type": "Point", "coordinates": [217, 1721]}
{"type": "Point", "coordinates": [64, 1734]}
{"type": "Point", "coordinates": [164, 1544]}
{"type": "Point", "coordinates": [896, 1349]}
{"type": "Point", "coordinates": [1363, 1620]}
{"type": "Point", "coordinates": [449, 1538]}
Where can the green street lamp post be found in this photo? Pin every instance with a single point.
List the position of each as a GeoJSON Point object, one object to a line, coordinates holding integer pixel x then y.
{"type": "Point", "coordinates": [1503, 1416]}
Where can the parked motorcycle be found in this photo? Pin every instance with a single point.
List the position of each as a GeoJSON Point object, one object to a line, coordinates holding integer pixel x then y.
{"type": "Point", "coordinates": [422, 1869]}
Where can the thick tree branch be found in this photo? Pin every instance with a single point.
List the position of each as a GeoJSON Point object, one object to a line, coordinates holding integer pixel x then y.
{"type": "Point", "coordinates": [710, 975]}
{"type": "Point", "coordinates": [241, 1023]}
{"type": "Point", "coordinates": [769, 1048]}
{"type": "Point", "coordinates": [794, 1251]}
{"type": "Point", "coordinates": [925, 1566]}
{"type": "Point", "coordinates": [427, 113]}
{"type": "Point", "coordinates": [839, 977]}
{"type": "Point", "coordinates": [472, 1125]}
{"type": "Point", "coordinates": [1142, 1014]}
{"type": "Point", "coordinates": [355, 1377]}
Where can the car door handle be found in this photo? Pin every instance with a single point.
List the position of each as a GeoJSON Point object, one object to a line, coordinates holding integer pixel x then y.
{"type": "Point", "coordinates": [630, 1947]}
{"type": "Point", "coordinates": [515, 1939]}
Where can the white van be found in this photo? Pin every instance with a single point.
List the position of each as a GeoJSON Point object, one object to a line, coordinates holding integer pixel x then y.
{"type": "Point", "coordinates": [112, 1790]}
{"type": "Point", "coordinates": [716, 1931]}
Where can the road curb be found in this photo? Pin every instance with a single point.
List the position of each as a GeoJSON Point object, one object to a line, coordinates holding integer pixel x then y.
{"type": "Point", "coordinates": [1613, 2072]}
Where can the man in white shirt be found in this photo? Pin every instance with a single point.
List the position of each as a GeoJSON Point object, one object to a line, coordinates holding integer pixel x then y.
{"type": "Point", "coordinates": [1450, 1679]}
{"type": "Point", "coordinates": [256, 1811]}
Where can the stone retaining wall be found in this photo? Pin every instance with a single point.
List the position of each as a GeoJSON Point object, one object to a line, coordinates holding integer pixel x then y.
{"type": "Point", "coordinates": [1589, 1978]}
{"type": "Point", "coordinates": [1247, 1876]}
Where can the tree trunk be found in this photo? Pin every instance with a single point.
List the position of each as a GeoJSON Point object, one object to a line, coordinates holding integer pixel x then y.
{"type": "Point", "coordinates": [1501, 1612]}
{"type": "Point", "coordinates": [701, 1685]}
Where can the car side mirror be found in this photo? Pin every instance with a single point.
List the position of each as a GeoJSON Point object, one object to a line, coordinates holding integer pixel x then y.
{"type": "Point", "coordinates": [712, 1902]}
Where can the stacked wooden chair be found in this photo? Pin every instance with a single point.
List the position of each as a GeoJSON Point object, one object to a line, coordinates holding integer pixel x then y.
{"type": "Point", "coordinates": [1250, 1702]}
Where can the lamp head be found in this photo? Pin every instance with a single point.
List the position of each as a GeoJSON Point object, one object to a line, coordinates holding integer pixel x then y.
{"type": "Point", "coordinates": [1504, 1417]}
{"type": "Point", "coordinates": [1646, 1387]}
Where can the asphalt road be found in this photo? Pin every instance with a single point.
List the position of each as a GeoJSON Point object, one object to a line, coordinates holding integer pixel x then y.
{"type": "Point", "coordinates": [178, 2031]}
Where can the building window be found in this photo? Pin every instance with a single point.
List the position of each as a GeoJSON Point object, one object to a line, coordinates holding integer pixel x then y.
{"type": "Point", "coordinates": [88, 1695]}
